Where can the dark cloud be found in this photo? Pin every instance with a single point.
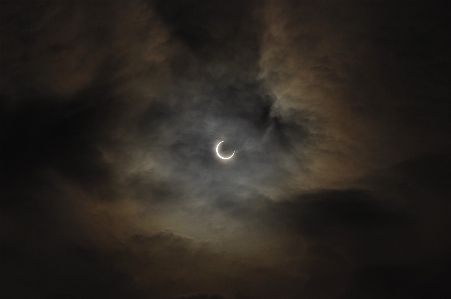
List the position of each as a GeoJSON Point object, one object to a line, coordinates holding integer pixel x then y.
{"type": "Point", "coordinates": [400, 282]}
{"type": "Point", "coordinates": [350, 209]}
{"type": "Point", "coordinates": [202, 296]}
{"type": "Point", "coordinates": [337, 113]}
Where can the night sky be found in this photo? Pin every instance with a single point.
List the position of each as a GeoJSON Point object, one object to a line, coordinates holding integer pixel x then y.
{"type": "Point", "coordinates": [339, 114]}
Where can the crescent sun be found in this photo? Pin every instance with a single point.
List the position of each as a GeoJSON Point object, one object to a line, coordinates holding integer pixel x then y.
{"type": "Point", "coordinates": [219, 155]}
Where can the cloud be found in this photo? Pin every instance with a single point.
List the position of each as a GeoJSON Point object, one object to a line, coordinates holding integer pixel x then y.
{"type": "Point", "coordinates": [400, 282]}
{"type": "Point", "coordinates": [59, 49]}
{"type": "Point", "coordinates": [202, 296]}
{"type": "Point", "coordinates": [111, 188]}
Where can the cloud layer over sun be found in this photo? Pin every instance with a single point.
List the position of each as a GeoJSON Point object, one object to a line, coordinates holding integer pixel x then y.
{"type": "Point", "coordinates": [338, 113]}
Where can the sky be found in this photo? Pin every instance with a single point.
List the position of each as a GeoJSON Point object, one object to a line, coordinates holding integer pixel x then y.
{"type": "Point", "coordinates": [338, 114]}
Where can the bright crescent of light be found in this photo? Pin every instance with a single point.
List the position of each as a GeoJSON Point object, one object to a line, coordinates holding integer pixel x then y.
{"type": "Point", "coordinates": [219, 155]}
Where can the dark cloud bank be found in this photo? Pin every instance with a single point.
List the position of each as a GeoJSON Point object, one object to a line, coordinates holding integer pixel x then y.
{"type": "Point", "coordinates": [338, 113]}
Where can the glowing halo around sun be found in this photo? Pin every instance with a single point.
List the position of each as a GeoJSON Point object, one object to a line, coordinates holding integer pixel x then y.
{"type": "Point", "coordinates": [219, 155]}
